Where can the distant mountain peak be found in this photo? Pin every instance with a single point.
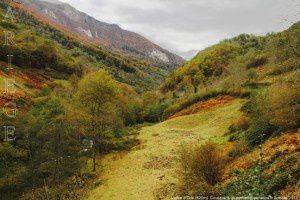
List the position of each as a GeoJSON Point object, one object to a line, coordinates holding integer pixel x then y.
{"type": "Point", "coordinates": [109, 35]}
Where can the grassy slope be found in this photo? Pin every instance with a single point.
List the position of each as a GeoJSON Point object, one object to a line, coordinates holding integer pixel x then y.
{"type": "Point", "coordinates": [149, 171]}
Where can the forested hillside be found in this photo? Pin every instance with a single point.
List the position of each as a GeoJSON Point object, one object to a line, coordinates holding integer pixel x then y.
{"type": "Point", "coordinates": [245, 53]}
{"type": "Point", "coordinates": [40, 45]}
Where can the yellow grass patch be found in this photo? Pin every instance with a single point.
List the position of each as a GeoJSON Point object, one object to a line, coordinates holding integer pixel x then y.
{"type": "Point", "coordinates": [151, 171]}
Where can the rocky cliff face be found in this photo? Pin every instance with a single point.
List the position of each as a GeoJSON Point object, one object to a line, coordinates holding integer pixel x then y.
{"type": "Point", "coordinates": [109, 35]}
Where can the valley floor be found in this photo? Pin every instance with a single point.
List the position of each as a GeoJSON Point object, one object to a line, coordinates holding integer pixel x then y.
{"type": "Point", "coordinates": [150, 171]}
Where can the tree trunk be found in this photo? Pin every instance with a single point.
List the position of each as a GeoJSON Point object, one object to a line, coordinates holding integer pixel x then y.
{"type": "Point", "coordinates": [94, 160]}
{"type": "Point", "coordinates": [195, 89]}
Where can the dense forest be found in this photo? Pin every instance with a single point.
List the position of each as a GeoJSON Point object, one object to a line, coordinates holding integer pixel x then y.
{"type": "Point", "coordinates": [74, 104]}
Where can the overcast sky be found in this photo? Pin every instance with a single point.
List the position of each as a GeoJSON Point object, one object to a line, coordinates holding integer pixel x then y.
{"type": "Point", "coordinates": [183, 25]}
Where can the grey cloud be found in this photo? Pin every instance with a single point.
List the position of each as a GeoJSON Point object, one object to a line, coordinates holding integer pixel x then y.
{"type": "Point", "coordinates": [182, 25]}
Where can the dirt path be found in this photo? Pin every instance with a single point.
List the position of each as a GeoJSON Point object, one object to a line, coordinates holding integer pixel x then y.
{"type": "Point", "coordinates": [150, 171]}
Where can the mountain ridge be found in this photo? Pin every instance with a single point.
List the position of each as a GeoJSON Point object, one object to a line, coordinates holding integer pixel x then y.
{"type": "Point", "coordinates": [72, 54]}
{"type": "Point", "coordinates": [111, 36]}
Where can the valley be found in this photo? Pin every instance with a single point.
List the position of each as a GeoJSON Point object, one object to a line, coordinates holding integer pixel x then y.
{"type": "Point", "coordinates": [150, 170]}
{"type": "Point", "coordinates": [124, 119]}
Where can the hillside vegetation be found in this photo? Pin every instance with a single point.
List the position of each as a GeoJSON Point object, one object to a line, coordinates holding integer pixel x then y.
{"type": "Point", "coordinates": [39, 44]}
{"type": "Point", "coordinates": [227, 121]}
{"type": "Point", "coordinates": [237, 62]}
{"type": "Point", "coordinates": [249, 148]}
{"type": "Point", "coordinates": [265, 71]}
{"type": "Point", "coordinates": [58, 136]}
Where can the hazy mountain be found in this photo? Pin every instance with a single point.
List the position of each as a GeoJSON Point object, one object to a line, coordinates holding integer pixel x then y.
{"type": "Point", "coordinates": [109, 35]}
{"type": "Point", "coordinates": [52, 1]}
{"type": "Point", "coordinates": [188, 54]}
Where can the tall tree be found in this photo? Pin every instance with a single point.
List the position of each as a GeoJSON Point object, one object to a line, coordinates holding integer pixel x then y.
{"type": "Point", "coordinates": [97, 94]}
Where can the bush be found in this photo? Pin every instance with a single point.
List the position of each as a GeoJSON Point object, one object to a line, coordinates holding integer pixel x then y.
{"type": "Point", "coordinates": [283, 103]}
{"type": "Point", "coordinates": [202, 169]}
{"type": "Point", "coordinates": [237, 130]}
{"type": "Point", "coordinates": [208, 163]}
{"type": "Point", "coordinates": [45, 91]}
{"type": "Point", "coordinates": [257, 61]}
{"type": "Point", "coordinates": [260, 127]}
{"type": "Point", "coordinates": [154, 112]}
{"type": "Point", "coordinates": [241, 124]}
{"type": "Point", "coordinates": [289, 65]}
{"type": "Point", "coordinates": [259, 131]}
{"type": "Point", "coordinates": [252, 76]}
{"type": "Point", "coordinates": [8, 25]}
{"type": "Point", "coordinates": [131, 113]}
{"type": "Point", "coordinates": [238, 149]}
{"type": "Point", "coordinates": [274, 110]}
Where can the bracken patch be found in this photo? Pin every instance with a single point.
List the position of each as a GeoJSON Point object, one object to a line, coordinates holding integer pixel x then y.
{"type": "Point", "coordinates": [206, 105]}
{"type": "Point", "coordinates": [276, 148]}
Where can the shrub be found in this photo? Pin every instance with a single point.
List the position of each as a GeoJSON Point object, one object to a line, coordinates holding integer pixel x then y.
{"type": "Point", "coordinates": [73, 188]}
{"type": "Point", "coordinates": [289, 65]}
{"type": "Point", "coordinates": [247, 107]}
{"type": "Point", "coordinates": [45, 91]}
{"type": "Point", "coordinates": [236, 136]}
{"type": "Point", "coordinates": [154, 112]}
{"type": "Point", "coordinates": [238, 149]}
{"type": "Point", "coordinates": [274, 110]}
{"type": "Point", "coordinates": [208, 163]}
{"type": "Point", "coordinates": [283, 103]}
{"type": "Point", "coordinates": [259, 131]}
{"type": "Point", "coordinates": [130, 105]}
{"type": "Point", "coordinates": [257, 61]}
{"type": "Point", "coordinates": [241, 124]}
{"type": "Point", "coordinates": [131, 113]}
{"type": "Point", "coordinates": [238, 128]}
{"type": "Point", "coordinates": [202, 169]}
{"type": "Point", "coordinates": [8, 25]}
{"type": "Point", "coordinates": [260, 127]}
{"type": "Point", "coordinates": [252, 76]}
